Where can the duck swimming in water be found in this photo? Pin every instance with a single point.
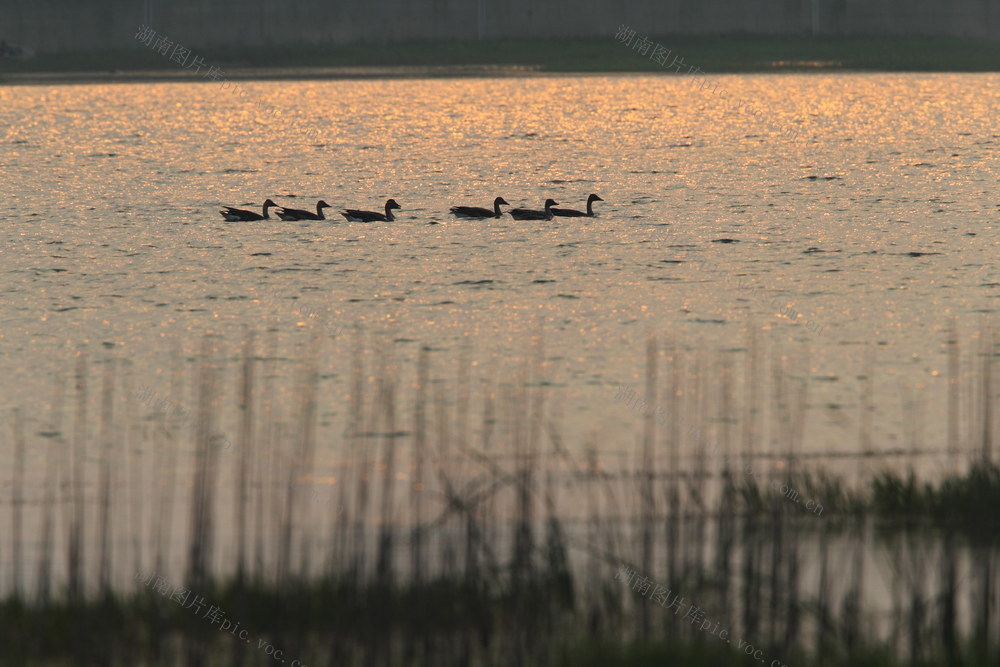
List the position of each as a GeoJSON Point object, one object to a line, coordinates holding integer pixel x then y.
{"type": "Point", "coordinates": [355, 215]}
{"type": "Point", "coordinates": [477, 213]}
{"type": "Point", "coordinates": [239, 215]}
{"type": "Point", "coordinates": [531, 214]}
{"type": "Point", "coordinates": [573, 213]}
{"type": "Point", "coordinates": [299, 214]}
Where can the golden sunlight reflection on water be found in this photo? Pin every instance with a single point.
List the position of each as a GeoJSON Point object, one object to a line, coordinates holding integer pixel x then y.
{"type": "Point", "coordinates": [871, 229]}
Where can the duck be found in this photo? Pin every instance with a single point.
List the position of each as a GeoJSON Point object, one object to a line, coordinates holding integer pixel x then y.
{"type": "Point", "coordinates": [238, 214]}
{"type": "Point", "coordinates": [573, 213]}
{"type": "Point", "coordinates": [476, 213]}
{"type": "Point", "coordinates": [299, 214]}
{"type": "Point", "coordinates": [355, 215]}
{"type": "Point", "coordinates": [530, 214]}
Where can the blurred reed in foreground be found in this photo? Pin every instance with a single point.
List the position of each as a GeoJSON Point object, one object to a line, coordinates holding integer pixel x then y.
{"type": "Point", "coordinates": [449, 524]}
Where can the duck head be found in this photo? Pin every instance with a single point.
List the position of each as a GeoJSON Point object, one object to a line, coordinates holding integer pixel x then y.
{"type": "Point", "coordinates": [551, 202]}
{"type": "Point", "coordinates": [593, 198]}
{"type": "Point", "coordinates": [500, 201]}
{"type": "Point", "coordinates": [269, 203]}
{"type": "Point", "coordinates": [322, 204]}
{"type": "Point", "coordinates": [392, 204]}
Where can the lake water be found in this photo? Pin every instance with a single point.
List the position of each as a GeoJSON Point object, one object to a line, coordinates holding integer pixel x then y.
{"type": "Point", "coordinates": [802, 291]}
{"type": "Point", "coordinates": [858, 241]}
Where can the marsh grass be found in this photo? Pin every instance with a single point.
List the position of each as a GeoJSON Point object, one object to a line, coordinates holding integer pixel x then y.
{"type": "Point", "coordinates": [458, 528]}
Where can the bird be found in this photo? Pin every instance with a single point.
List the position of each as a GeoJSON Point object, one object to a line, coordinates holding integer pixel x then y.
{"type": "Point", "coordinates": [299, 214]}
{"type": "Point", "coordinates": [530, 214]}
{"type": "Point", "coordinates": [475, 212]}
{"type": "Point", "coordinates": [354, 215]}
{"type": "Point", "coordinates": [573, 213]}
{"type": "Point", "coordinates": [238, 214]}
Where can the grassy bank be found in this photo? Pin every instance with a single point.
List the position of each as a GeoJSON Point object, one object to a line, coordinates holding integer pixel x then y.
{"type": "Point", "coordinates": [711, 54]}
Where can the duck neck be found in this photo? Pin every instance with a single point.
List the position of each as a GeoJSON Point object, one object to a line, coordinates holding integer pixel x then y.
{"type": "Point", "coordinates": [266, 216]}
{"type": "Point", "coordinates": [388, 213]}
{"type": "Point", "coordinates": [496, 210]}
{"type": "Point", "coordinates": [319, 212]}
{"type": "Point", "coordinates": [590, 208]}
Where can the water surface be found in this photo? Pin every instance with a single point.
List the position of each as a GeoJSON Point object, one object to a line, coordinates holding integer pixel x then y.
{"type": "Point", "coordinates": [854, 243]}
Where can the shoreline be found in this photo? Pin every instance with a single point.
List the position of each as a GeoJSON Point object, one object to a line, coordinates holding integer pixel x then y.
{"type": "Point", "coordinates": [517, 58]}
{"type": "Point", "coordinates": [394, 72]}
{"type": "Point", "coordinates": [281, 74]}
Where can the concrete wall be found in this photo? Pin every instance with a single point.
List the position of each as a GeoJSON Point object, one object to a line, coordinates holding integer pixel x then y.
{"type": "Point", "coordinates": [95, 25]}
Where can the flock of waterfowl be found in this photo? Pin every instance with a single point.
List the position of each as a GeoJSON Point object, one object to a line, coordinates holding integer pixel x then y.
{"type": "Point", "coordinates": [356, 215]}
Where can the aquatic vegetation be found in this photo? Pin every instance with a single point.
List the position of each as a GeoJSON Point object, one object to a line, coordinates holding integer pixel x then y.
{"type": "Point", "coordinates": [456, 527]}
